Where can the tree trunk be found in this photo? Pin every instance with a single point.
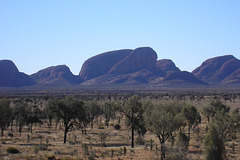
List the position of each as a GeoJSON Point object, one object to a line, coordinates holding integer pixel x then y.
{"type": "Point", "coordinates": [162, 141]}
{"type": "Point", "coordinates": [50, 123]}
{"type": "Point", "coordinates": [162, 151]}
{"type": "Point", "coordinates": [16, 125]}
{"type": "Point", "coordinates": [65, 133]}
{"type": "Point", "coordinates": [56, 124]}
{"type": "Point", "coordinates": [91, 124]}
{"type": "Point", "coordinates": [2, 131]}
{"type": "Point", "coordinates": [132, 137]}
{"type": "Point", "coordinates": [11, 126]}
{"type": "Point", "coordinates": [31, 127]}
{"type": "Point", "coordinates": [189, 127]}
{"type": "Point", "coordinates": [20, 129]}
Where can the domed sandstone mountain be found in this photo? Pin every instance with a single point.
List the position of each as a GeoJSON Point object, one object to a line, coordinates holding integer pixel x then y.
{"type": "Point", "coordinates": [218, 69]}
{"type": "Point", "coordinates": [60, 74]}
{"type": "Point", "coordinates": [11, 77]}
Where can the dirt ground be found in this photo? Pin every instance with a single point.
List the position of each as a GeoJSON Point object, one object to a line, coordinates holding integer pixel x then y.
{"type": "Point", "coordinates": [107, 143]}
{"type": "Point", "coordinates": [104, 143]}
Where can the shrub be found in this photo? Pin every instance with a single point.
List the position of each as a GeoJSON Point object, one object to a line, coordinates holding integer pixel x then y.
{"type": "Point", "coordinates": [151, 144]}
{"type": "Point", "coordinates": [51, 158]}
{"type": "Point", "coordinates": [101, 127]}
{"type": "Point", "coordinates": [176, 154]}
{"type": "Point", "coordinates": [41, 147]}
{"type": "Point", "coordinates": [117, 127]}
{"type": "Point", "coordinates": [85, 149]}
{"type": "Point", "coordinates": [12, 150]}
{"type": "Point", "coordinates": [10, 135]}
{"type": "Point", "coordinates": [91, 155]}
{"type": "Point", "coordinates": [213, 145]}
{"type": "Point", "coordinates": [103, 137]}
{"type": "Point", "coordinates": [140, 141]}
{"type": "Point", "coordinates": [71, 142]}
{"type": "Point", "coordinates": [182, 141]}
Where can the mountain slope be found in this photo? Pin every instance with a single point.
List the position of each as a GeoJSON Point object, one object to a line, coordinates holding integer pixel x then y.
{"type": "Point", "coordinates": [11, 77]}
{"type": "Point", "coordinates": [101, 64]}
{"type": "Point", "coordinates": [217, 69]}
{"type": "Point", "coordinates": [167, 66]}
{"type": "Point", "coordinates": [126, 67]}
{"type": "Point", "coordinates": [56, 75]}
{"type": "Point", "coordinates": [139, 67]}
{"type": "Point", "coordinates": [140, 58]}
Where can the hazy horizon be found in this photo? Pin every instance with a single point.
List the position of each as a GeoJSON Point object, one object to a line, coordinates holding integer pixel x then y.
{"type": "Point", "coordinates": [40, 34]}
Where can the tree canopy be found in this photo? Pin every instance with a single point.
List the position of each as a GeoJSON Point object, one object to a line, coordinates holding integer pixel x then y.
{"type": "Point", "coordinates": [70, 111]}
{"type": "Point", "coordinates": [163, 120]}
{"type": "Point", "coordinates": [5, 114]}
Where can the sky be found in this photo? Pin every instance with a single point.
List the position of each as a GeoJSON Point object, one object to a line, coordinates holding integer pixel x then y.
{"type": "Point", "coordinates": [39, 34]}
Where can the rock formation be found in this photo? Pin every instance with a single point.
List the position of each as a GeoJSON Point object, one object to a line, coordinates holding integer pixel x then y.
{"type": "Point", "coordinates": [167, 66]}
{"type": "Point", "coordinates": [126, 67]}
{"type": "Point", "coordinates": [215, 70]}
{"type": "Point", "coordinates": [101, 64]}
{"type": "Point", "coordinates": [11, 77]}
{"type": "Point", "coordinates": [140, 58]}
{"type": "Point", "coordinates": [56, 74]}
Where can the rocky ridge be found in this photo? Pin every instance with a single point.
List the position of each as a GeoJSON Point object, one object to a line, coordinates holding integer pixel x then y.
{"type": "Point", "coordinates": [223, 69]}
{"type": "Point", "coordinates": [11, 77]}
{"type": "Point", "coordinates": [126, 67]}
{"type": "Point", "coordinates": [60, 74]}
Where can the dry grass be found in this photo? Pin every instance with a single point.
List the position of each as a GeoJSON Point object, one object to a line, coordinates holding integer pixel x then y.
{"type": "Point", "coordinates": [101, 143]}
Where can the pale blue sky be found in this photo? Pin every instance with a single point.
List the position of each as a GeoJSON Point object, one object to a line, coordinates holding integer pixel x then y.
{"type": "Point", "coordinates": [38, 34]}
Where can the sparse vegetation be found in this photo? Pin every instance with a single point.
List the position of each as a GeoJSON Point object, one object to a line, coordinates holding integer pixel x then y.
{"type": "Point", "coordinates": [12, 150]}
{"type": "Point", "coordinates": [157, 118]}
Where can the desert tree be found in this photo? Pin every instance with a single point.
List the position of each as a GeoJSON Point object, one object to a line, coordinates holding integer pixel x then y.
{"type": "Point", "coordinates": [133, 110]}
{"type": "Point", "coordinates": [226, 124]}
{"type": "Point", "coordinates": [163, 120]}
{"type": "Point", "coordinates": [34, 116]}
{"type": "Point", "coordinates": [182, 141]}
{"type": "Point", "coordinates": [31, 120]}
{"type": "Point", "coordinates": [235, 123]}
{"type": "Point", "coordinates": [107, 112]}
{"type": "Point", "coordinates": [141, 127]}
{"type": "Point", "coordinates": [92, 110]}
{"type": "Point", "coordinates": [219, 106]}
{"type": "Point", "coordinates": [208, 112]}
{"type": "Point", "coordinates": [48, 113]}
{"type": "Point", "coordinates": [192, 117]}
{"type": "Point", "coordinates": [21, 112]}
{"type": "Point", "coordinates": [70, 111]}
{"type": "Point", "coordinates": [222, 126]}
{"type": "Point", "coordinates": [5, 114]}
{"type": "Point", "coordinates": [213, 144]}
{"type": "Point", "coordinates": [115, 108]}
{"type": "Point", "coordinates": [213, 108]}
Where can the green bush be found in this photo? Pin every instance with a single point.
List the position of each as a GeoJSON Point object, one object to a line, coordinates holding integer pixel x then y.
{"type": "Point", "coordinates": [51, 158]}
{"type": "Point", "coordinates": [176, 154]}
{"type": "Point", "coordinates": [42, 147]}
{"type": "Point", "coordinates": [140, 141]}
{"type": "Point", "coordinates": [12, 150]}
{"type": "Point", "coordinates": [182, 141]}
{"type": "Point", "coordinates": [101, 127]}
{"type": "Point", "coordinates": [10, 135]}
{"type": "Point", "coordinates": [213, 145]}
{"type": "Point", "coordinates": [85, 149]}
{"type": "Point", "coordinates": [117, 127]}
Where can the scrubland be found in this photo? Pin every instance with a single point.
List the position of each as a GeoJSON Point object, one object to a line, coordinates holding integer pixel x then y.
{"type": "Point", "coordinates": [113, 141]}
